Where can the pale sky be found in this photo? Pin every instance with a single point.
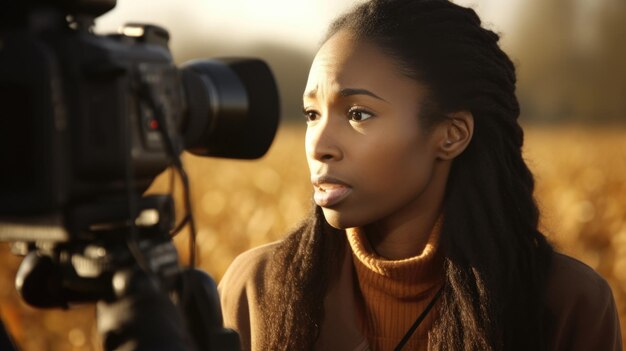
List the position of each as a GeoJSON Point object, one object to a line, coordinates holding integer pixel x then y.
{"type": "Point", "coordinates": [300, 23]}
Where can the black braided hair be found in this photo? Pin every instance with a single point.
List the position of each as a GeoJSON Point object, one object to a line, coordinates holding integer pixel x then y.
{"type": "Point", "coordinates": [300, 271]}
{"type": "Point", "coordinates": [496, 259]}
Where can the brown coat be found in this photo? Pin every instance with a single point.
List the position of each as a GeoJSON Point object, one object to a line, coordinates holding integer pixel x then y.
{"type": "Point", "coordinates": [580, 300]}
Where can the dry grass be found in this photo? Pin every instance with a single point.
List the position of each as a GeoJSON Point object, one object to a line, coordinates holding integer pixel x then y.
{"type": "Point", "coordinates": [580, 186]}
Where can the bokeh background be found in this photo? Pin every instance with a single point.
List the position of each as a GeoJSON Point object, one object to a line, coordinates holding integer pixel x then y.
{"type": "Point", "coordinates": [570, 56]}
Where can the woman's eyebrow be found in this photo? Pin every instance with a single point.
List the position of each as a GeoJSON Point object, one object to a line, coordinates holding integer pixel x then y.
{"type": "Point", "coordinates": [311, 93]}
{"type": "Point", "coordinates": [346, 92]}
{"type": "Point", "coordinates": [351, 91]}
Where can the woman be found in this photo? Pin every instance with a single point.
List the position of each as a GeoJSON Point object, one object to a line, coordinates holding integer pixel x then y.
{"type": "Point", "coordinates": [424, 234]}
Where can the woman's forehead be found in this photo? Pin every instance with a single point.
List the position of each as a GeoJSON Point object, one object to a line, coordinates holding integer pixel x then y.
{"type": "Point", "coordinates": [342, 56]}
{"type": "Point", "coordinates": [343, 62]}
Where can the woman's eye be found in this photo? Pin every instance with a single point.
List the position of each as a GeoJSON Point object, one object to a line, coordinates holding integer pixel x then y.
{"type": "Point", "coordinates": [310, 115]}
{"type": "Point", "coordinates": [358, 115]}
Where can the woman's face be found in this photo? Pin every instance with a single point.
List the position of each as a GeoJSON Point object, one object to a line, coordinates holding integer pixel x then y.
{"type": "Point", "coordinates": [368, 157]}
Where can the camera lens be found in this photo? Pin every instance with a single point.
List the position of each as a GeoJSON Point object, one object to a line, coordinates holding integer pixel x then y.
{"type": "Point", "coordinates": [233, 107]}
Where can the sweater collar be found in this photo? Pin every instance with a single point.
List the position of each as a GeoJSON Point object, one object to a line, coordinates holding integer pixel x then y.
{"type": "Point", "coordinates": [407, 277]}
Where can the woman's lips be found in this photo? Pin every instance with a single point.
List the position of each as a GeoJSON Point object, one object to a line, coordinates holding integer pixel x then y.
{"type": "Point", "coordinates": [329, 192]}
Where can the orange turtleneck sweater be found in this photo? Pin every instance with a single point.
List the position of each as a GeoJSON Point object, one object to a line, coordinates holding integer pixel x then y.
{"type": "Point", "coordinates": [393, 293]}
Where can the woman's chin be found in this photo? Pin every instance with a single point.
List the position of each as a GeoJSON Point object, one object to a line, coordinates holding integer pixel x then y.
{"type": "Point", "coordinates": [340, 220]}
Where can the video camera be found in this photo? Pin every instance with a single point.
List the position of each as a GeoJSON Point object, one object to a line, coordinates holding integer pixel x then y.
{"type": "Point", "coordinates": [86, 123]}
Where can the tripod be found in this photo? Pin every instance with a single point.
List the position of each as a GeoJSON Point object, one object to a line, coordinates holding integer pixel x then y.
{"type": "Point", "coordinates": [145, 300]}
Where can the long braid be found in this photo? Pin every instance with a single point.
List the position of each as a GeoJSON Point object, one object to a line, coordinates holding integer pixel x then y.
{"type": "Point", "coordinates": [302, 269]}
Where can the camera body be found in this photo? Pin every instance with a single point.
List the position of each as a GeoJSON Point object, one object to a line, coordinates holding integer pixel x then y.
{"type": "Point", "coordinates": [73, 114]}
{"type": "Point", "coordinates": [85, 117]}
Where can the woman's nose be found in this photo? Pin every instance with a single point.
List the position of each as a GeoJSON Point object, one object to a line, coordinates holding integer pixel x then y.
{"type": "Point", "coordinates": [323, 141]}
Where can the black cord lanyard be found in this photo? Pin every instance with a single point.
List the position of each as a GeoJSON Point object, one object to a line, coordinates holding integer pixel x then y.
{"type": "Point", "coordinates": [419, 320]}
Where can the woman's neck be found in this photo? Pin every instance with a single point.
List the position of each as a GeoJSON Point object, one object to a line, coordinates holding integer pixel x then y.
{"type": "Point", "coordinates": [405, 233]}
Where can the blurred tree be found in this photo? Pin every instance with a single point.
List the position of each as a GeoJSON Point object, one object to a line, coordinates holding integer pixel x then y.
{"type": "Point", "coordinates": [570, 58]}
{"type": "Point", "coordinates": [613, 53]}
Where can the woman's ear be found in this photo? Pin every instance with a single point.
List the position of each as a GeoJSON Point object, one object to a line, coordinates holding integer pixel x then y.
{"type": "Point", "coordinates": [456, 134]}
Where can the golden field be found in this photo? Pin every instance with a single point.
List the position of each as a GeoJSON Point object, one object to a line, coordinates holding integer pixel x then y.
{"type": "Point", "coordinates": [581, 189]}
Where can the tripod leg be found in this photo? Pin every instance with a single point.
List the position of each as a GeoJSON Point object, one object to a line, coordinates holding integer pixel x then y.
{"type": "Point", "coordinates": [143, 319]}
{"type": "Point", "coordinates": [6, 343]}
{"type": "Point", "coordinates": [200, 302]}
